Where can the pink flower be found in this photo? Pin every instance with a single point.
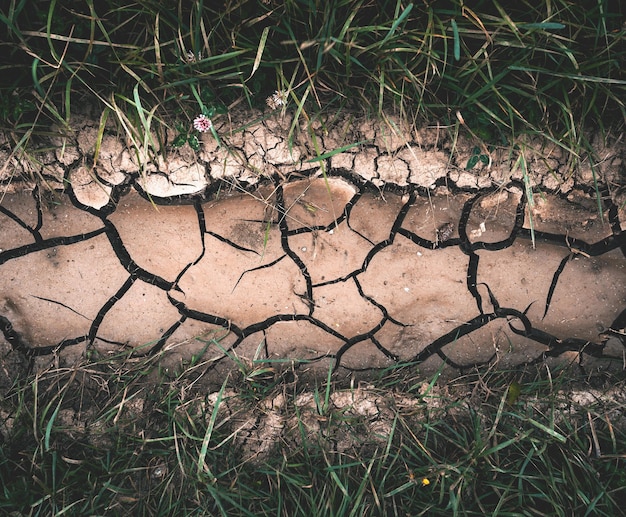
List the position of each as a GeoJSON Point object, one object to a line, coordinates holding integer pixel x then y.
{"type": "Point", "coordinates": [202, 123]}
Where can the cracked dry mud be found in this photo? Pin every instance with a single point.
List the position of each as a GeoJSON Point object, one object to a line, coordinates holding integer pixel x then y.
{"type": "Point", "coordinates": [344, 267]}
{"type": "Point", "coordinates": [317, 269]}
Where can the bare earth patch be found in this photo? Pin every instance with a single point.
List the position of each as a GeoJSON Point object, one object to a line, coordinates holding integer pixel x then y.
{"type": "Point", "coordinates": [407, 248]}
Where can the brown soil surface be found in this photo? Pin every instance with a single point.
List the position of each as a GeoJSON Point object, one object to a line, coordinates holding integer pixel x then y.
{"type": "Point", "coordinates": [388, 252]}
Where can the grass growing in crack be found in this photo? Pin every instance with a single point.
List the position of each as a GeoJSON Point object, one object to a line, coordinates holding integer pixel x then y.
{"type": "Point", "coordinates": [113, 438]}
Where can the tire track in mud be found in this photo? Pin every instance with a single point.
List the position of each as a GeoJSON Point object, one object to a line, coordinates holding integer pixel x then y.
{"type": "Point", "coordinates": [317, 269]}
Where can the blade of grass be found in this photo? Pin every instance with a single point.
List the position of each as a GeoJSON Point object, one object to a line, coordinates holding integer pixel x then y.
{"type": "Point", "coordinates": [339, 150]}
{"type": "Point", "coordinates": [201, 465]}
{"type": "Point", "coordinates": [259, 52]}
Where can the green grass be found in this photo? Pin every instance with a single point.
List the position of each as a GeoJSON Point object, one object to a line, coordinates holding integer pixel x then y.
{"type": "Point", "coordinates": [501, 74]}
{"type": "Point", "coordinates": [116, 438]}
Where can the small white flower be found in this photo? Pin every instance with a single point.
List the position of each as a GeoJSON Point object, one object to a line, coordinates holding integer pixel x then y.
{"type": "Point", "coordinates": [191, 57]}
{"type": "Point", "coordinates": [277, 99]}
{"type": "Point", "coordinates": [202, 123]}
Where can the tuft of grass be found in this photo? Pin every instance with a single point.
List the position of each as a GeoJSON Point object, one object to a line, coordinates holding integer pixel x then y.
{"type": "Point", "coordinates": [552, 70]}
{"type": "Point", "coordinates": [110, 437]}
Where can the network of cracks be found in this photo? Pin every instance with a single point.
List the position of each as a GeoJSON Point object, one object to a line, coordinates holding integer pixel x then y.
{"type": "Point", "coordinates": [318, 268]}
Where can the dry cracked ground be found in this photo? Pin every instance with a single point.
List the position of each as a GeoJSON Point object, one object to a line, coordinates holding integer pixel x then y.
{"type": "Point", "coordinates": [410, 247]}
